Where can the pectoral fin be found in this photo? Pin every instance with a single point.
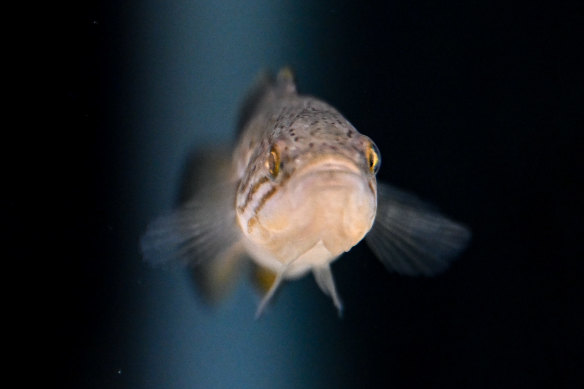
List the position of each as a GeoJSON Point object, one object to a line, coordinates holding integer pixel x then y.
{"type": "Point", "coordinates": [203, 230]}
{"type": "Point", "coordinates": [412, 238]}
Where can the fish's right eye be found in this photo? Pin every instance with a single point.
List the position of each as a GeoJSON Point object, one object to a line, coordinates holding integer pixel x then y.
{"type": "Point", "coordinates": [273, 162]}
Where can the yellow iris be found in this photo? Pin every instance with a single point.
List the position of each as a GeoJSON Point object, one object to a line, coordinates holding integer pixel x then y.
{"type": "Point", "coordinates": [373, 158]}
{"type": "Point", "coordinates": [273, 163]}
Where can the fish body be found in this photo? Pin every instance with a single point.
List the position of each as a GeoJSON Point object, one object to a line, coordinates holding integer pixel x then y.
{"type": "Point", "coordinates": [300, 191]}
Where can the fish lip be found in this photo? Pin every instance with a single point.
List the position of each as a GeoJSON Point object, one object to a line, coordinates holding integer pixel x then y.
{"type": "Point", "coordinates": [332, 165]}
{"type": "Point", "coordinates": [327, 175]}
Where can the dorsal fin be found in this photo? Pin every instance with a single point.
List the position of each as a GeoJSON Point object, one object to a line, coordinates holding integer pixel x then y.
{"type": "Point", "coordinates": [262, 86]}
{"type": "Point", "coordinates": [265, 86]}
{"type": "Point", "coordinates": [285, 81]}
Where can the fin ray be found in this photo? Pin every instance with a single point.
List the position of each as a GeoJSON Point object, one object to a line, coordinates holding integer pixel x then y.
{"type": "Point", "coordinates": [270, 294]}
{"type": "Point", "coordinates": [324, 278]}
{"type": "Point", "coordinates": [411, 237]}
{"type": "Point", "coordinates": [263, 278]}
{"type": "Point", "coordinates": [195, 233]}
{"type": "Point", "coordinates": [203, 231]}
{"type": "Point", "coordinates": [254, 97]}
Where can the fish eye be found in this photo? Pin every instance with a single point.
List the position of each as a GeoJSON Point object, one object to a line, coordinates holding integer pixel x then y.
{"type": "Point", "coordinates": [373, 158]}
{"type": "Point", "coordinates": [273, 162]}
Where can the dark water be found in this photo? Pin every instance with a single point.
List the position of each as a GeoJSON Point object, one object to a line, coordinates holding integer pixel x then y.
{"type": "Point", "coordinates": [475, 106]}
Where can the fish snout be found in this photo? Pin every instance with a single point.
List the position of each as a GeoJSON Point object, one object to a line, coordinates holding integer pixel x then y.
{"type": "Point", "coordinates": [339, 204]}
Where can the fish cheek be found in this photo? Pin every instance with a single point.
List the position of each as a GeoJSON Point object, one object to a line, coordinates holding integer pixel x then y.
{"type": "Point", "coordinates": [279, 213]}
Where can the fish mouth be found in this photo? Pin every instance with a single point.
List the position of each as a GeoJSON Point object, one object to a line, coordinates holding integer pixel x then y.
{"type": "Point", "coordinates": [329, 180]}
{"type": "Point", "coordinates": [330, 190]}
{"type": "Point", "coordinates": [325, 208]}
{"type": "Point", "coordinates": [329, 169]}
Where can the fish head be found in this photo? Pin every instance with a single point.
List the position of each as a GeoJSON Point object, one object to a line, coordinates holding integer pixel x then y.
{"type": "Point", "coordinates": [318, 199]}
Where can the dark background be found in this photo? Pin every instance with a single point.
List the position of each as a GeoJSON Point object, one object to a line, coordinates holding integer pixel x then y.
{"type": "Point", "coordinates": [476, 106]}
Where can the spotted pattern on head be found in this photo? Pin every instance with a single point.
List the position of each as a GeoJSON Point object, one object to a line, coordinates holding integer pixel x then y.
{"type": "Point", "coordinates": [299, 129]}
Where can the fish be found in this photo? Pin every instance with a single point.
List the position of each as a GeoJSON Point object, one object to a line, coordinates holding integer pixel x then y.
{"type": "Point", "coordinates": [297, 190]}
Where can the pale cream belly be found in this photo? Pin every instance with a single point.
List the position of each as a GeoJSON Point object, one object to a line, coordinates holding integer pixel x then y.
{"type": "Point", "coordinates": [316, 256]}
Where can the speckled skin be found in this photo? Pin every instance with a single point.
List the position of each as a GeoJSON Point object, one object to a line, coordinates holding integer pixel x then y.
{"type": "Point", "coordinates": [304, 130]}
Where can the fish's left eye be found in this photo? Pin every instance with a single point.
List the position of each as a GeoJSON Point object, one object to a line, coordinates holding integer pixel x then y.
{"type": "Point", "coordinates": [273, 162]}
{"type": "Point", "coordinates": [373, 158]}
